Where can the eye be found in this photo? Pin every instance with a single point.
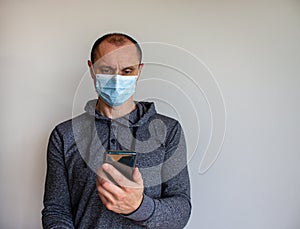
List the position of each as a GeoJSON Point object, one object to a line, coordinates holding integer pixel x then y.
{"type": "Point", "coordinates": [127, 71]}
{"type": "Point", "coordinates": [106, 70]}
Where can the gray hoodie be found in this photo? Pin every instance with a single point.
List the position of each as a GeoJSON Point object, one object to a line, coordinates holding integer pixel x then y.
{"type": "Point", "coordinates": [75, 152]}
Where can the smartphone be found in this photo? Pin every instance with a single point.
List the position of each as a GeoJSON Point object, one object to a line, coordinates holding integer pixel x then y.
{"type": "Point", "coordinates": [124, 161]}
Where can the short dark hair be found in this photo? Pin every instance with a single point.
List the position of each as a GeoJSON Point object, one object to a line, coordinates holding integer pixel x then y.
{"type": "Point", "coordinates": [117, 39]}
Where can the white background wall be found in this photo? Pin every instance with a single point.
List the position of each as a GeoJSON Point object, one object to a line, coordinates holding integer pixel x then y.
{"type": "Point", "coordinates": [253, 49]}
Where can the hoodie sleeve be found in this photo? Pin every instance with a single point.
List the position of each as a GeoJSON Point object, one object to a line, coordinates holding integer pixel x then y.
{"type": "Point", "coordinates": [173, 208]}
{"type": "Point", "coordinates": [57, 206]}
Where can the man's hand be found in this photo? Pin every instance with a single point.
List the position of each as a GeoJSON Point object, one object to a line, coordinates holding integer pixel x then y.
{"type": "Point", "coordinates": [126, 197]}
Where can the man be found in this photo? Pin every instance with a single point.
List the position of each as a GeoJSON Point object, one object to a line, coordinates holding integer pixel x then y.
{"type": "Point", "coordinates": [78, 192]}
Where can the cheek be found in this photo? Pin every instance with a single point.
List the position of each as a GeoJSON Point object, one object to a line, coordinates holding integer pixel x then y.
{"type": "Point", "coordinates": [93, 78]}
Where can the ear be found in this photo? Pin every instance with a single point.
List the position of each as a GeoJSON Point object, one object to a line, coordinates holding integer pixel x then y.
{"type": "Point", "coordinates": [90, 65]}
{"type": "Point", "coordinates": [140, 69]}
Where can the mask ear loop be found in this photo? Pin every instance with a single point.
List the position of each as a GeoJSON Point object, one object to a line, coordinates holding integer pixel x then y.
{"type": "Point", "coordinates": [93, 71]}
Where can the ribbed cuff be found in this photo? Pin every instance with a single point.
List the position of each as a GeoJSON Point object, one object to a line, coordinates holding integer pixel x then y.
{"type": "Point", "coordinates": [144, 211]}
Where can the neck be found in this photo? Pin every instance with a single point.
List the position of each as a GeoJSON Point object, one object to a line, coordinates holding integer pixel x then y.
{"type": "Point", "coordinates": [115, 112]}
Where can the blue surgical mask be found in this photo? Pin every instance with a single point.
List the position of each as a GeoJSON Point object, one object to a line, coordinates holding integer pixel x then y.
{"type": "Point", "coordinates": [115, 89]}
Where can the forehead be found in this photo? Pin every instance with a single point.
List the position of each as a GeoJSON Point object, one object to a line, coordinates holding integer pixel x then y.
{"type": "Point", "coordinates": [113, 55]}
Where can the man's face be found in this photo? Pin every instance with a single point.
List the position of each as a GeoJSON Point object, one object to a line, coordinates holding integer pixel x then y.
{"type": "Point", "coordinates": [111, 59]}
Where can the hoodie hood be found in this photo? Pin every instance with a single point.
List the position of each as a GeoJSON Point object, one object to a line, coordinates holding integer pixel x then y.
{"type": "Point", "coordinates": [138, 117]}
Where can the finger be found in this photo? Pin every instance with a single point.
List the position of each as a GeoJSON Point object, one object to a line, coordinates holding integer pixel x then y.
{"type": "Point", "coordinates": [137, 176]}
{"type": "Point", "coordinates": [101, 176]}
{"type": "Point", "coordinates": [105, 202]}
{"type": "Point", "coordinates": [119, 178]}
{"type": "Point", "coordinates": [115, 174]}
{"type": "Point", "coordinates": [110, 187]}
{"type": "Point", "coordinates": [105, 195]}
{"type": "Point", "coordinates": [103, 188]}
{"type": "Point", "coordinates": [103, 199]}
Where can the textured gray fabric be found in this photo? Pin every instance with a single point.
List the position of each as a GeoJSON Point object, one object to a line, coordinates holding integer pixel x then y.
{"type": "Point", "coordinates": [75, 151]}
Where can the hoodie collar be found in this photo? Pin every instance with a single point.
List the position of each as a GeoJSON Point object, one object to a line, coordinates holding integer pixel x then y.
{"type": "Point", "coordinates": [139, 116]}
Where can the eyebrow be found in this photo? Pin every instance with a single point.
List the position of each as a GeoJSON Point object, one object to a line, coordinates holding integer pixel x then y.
{"type": "Point", "coordinates": [105, 66]}
{"type": "Point", "coordinates": [132, 66]}
{"type": "Point", "coordinates": [108, 66]}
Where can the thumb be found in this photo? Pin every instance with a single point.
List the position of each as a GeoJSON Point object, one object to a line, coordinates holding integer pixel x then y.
{"type": "Point", "coordinates": [137, 176]}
